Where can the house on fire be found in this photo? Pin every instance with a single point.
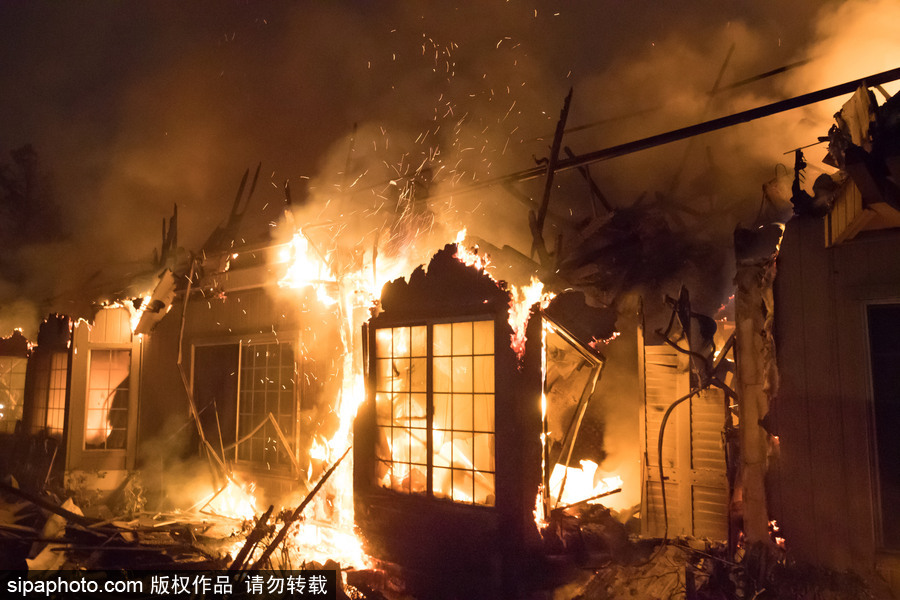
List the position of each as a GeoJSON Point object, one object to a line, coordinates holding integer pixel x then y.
{"type": "Point", "coordinates": [205, 357]}
{"type": "Point", "coordinates": [835, 478]}
{"type": "Point", "coordinates": [470, 430]}
{"type": "Point", "coordinates": [454, 443]}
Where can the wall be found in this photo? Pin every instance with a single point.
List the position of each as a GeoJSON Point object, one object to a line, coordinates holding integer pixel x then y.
{"type": "Point", "coordinates": [252, 314]}
{"type": "Point", "coordinates": [822, 482]}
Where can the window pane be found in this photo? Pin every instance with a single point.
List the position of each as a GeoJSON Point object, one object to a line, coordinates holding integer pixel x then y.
{"type": "Point", "coordinates": [400, 410]}
{"type": "Point", "coordinates": [417, 407]}
{"type": "Point", "coordinates": [418, 375]}
{"type": "Point", "coordinates": [400, 448]}
{"type": "Point", "coordinates": [401, 368]}
{"type": "Point", "coordinates": [418, 481]}
{"type": "Point", "coordinates": [443, 482]}
{"type": "Point", "coordinates": [442, 339]}
{"type": "Point", "coordinates": [442, 412]}
{"type": "Point", "coordinates": [483, 340]}
{"type": "Point", "coordinates": [443, 449]}
{"type": "Point", "coordinates": [384, 374]}
{"type": "Point", "coordinates": [484, 452]}
{"type": "Point", "coordinates": [462, 450]}
{"type": "Point", "coordinates": [462, 486]}
{"type": "Point", "coordinates": [400, 478]}
{"type": "Point", "coordinates": [401, 341]}
{"type": "Point", "coordinates": [483, 418]}
{"type": "Point", "coordinates": [106, 413]}
{"type": "Point", "coordinates": [462, 412]}
{"type": "Point", "coordinates": [484, 489]}
{"type": "Point", "coordinates": [383, 443]}
{"type": "Point", "coordinates": [267, 385]}
{"type": "Point", "coordinates": [462, 373]}
{"type": "Point", "coordinates": [12, 391]}
{"type": "Point", "coordinates": [461, 393]}
{"type": "Point", "coordinates": [418, 451]}
{"type": "Point", "coordinates": [383, 342]}
{"type": "Point", "coordinates": [462, 338]}
{"type": "Point", "coordinates": [483, 374]}
{"type": "Point", "coordinates": [419, 341]}
{"type": "Point", "coordinates": [441, 368]}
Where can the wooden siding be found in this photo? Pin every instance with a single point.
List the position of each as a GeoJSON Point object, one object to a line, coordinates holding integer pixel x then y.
{"type": "Point", "coordinates": [822, 485]}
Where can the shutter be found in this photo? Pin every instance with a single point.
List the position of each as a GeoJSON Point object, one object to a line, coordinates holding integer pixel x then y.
{"type": "Point", "coordinates": [693, 453]}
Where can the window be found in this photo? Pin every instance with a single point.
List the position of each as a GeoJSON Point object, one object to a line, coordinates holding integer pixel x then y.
{"type": "Point", "coordinates": [267, 377]}
{"type": "Point", "coordinates": [50, 392]}
{"type": "Point", "coordinates": [884, 348]}
{"type": "Point", "coordinates": [12, 391]}
{"type": "Point", "coordinates": [436, 379]}
{"type": "Point", "coordinates": [106, 413]}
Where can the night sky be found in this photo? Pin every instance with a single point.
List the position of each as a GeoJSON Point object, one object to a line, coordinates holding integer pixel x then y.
{"type": "Point", "coordinates": [134, 106]}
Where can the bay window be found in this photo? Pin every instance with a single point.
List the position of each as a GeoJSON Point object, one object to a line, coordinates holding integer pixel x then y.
{"type": "Point", "coordinates": [434, 404]}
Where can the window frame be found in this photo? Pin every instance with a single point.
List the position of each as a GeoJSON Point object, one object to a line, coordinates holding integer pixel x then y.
{"type": "Point", "coordinates": [430, 393]}
{"type": "Point", "coordinates": [291, 338]}
{"type": "Point", "coordinates": [128, 409]}
{"type": "Point", "coordinates": [293, 436]}
{"type": "Point", "coordinates": [44, 388]}
{"type": "Point", "coordinates": [878, 508]}
{"type": "Point", "coordinates": [17, 370]}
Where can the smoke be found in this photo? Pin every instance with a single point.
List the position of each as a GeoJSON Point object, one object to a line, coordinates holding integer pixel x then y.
{"type": "Point", "coordinates": [138, 107]}
{"type": "Point", "coordinates": [19, 313]}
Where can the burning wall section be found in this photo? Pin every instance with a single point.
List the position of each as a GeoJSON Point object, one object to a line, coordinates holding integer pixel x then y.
{"type": "Point", "coordinates": [447, 444]}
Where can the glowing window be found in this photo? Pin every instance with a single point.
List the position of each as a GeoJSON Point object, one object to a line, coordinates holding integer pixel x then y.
{"type": "Point", "coordinates": [12, 390]}
{"type": "Point", "coordinates": [457, 393]}
{"type": "Point", "coordinates": [50, 393]}
{"type": "Point", "coordinates": [106, 413]}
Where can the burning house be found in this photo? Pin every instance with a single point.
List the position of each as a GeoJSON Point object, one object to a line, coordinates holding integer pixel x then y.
{"type": "Point", "coordinates": [475, 408]}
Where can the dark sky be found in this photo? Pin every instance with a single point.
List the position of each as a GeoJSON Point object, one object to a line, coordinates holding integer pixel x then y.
{"type": "Point", "coordinates": [134, 106]}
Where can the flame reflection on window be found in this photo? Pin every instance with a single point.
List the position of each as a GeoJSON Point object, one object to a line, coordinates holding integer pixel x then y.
{"type": "Point", "coordinates": [50, 392]}
{"type": "Point", "coordinates": [460, 392]}
{"type": "Point", "coordinates": [12, 390]}
{"type": "Point", "coordinates": [106, 413]}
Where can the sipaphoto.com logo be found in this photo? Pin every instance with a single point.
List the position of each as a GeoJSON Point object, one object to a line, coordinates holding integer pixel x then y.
{"type": "Point", "coordinates": [77, 585]}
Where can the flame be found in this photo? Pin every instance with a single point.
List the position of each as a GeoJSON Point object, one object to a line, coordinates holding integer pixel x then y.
{"type": "Point", "coordinates": [773, 530]}
{"type": "Point", "coordinates": [595, 342]}
{"type": "Point", "coordinates": [580, 483]}
{"type": "Point", "coordinates": [235, 501]}
{"type": "Point", "coordinates": [539, 519]}
{"type": "Point", "coordinates": [306, 269]}
{"type": "Point", "coordinates": [327, 529]}
{"type": "Point", "coordinates": [137, 313]}
{"type": "Point", "coordinates": [520, 303]}
{"type": "Point", "coordinates": [470, 256]}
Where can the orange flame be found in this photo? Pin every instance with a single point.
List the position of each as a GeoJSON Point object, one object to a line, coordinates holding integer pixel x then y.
{"type": "Point", "coordinates": [520, 303]}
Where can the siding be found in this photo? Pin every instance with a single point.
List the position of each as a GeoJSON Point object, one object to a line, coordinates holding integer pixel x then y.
{"type": "Point", "coordinates": [822, 480]}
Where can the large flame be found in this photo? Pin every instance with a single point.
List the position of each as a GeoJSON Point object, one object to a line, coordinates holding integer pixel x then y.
{"type": "Point", "coordinates": [327, 530]}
